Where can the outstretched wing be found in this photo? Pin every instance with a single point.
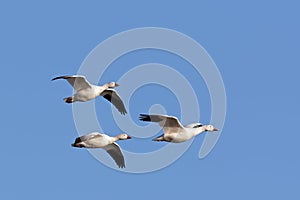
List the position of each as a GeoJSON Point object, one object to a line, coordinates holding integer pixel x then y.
{"type": "Point", "coordinates": [168, 123]}
{"type": "Point", "coordinates": [115, 99]}
{"type": "Point", "coordinates": [78, 82]}
{"type": "Point", "coordinates": [115, 152]}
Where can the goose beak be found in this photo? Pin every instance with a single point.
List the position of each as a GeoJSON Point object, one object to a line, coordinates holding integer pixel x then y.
{"type": "Point", "coordinates": [116, 85]}
{"type": "Point", "coordinates": [215, 129]}
{"type": "Point", "coordinates": [128, 137]}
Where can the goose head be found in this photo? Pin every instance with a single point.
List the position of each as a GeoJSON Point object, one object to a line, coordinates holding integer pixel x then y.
{"type": "Point", "coordinates": [202, 127]}
{"type": "Point", "coordinates": [210, 128]}
{"type": "Point", "coordinates": [112, 84]}
{"type": "Point", "coordinates": [123, 136]}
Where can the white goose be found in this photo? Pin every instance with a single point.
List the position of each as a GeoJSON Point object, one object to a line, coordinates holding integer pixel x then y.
{"type": "Point", "coordinates": [100, 140]}
{"type": "Point", "coordinates": [174, 131]}
{"type": "Point", "coordinates": [84, 91]}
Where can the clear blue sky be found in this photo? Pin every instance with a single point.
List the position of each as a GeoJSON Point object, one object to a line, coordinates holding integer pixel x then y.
{"type": "Point", "coordinates": [256, 48]}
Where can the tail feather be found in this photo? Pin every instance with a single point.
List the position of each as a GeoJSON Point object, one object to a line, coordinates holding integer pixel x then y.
{"type": "Point", "coordinates": [69, 100]}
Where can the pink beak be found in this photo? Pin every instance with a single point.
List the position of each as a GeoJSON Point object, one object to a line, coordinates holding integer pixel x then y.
{"type": "Point", "coordinates": [215, 129]}
{"type": "Point", "coordinates": [128, 137]}
{"type": "Point", "coordinates": [116, 84]}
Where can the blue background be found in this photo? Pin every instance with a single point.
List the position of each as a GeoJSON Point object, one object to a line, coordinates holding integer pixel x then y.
{"type": "Point", "coordinates": [255, 44]}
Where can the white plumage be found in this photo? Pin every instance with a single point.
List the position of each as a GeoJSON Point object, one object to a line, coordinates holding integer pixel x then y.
{"type": "Point", "coordinates": [84, 91]}
{"type": "Point", "coordinates": [174, 131]}
{"type": "Point", "coordinates": [100, 140]}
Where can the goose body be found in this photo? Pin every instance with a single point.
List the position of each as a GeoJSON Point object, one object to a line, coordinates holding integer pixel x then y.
{"type": "Point", "coordinates": [100, 140]}
{"type": "Point", "coordinates": [174, 131]}
{"type": "Point", "coordinates": [84, 91]}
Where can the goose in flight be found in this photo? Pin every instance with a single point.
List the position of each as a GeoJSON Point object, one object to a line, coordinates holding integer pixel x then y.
{"type": "Point", "coordinates": [174, 131]}
{"type": "Point", "coordinates": [99, 140]}
{"type": "Point", "coordinates": [84, 91]}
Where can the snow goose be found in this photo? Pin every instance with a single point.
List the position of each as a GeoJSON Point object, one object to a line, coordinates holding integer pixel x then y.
{"type": "Point", "coordinates": [85, 91]}
{"type": "Point", "coordinates": [174, 131]}
{"type": "Point", "coordinates": [99, 140]}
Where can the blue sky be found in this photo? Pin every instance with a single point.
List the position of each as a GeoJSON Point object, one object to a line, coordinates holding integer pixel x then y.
{"type": "Point", "coordinates": [255, 46]}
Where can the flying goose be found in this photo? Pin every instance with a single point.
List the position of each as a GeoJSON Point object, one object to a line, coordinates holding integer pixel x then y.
{"type": "Point", "coordinates": [174, 131]}
{"type": "Point", "coordinates": [100, 140]}
{"type": "Point", "coordinates": [84, 91]}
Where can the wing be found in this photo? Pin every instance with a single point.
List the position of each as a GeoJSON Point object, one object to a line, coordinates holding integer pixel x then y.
{"type": "Point", "coordinates": [78, 82]}
{"type": "Point", "coordinates": [87, 137]}
{"type": "Point", "coordinates": [115, 152]}
{"type": "Point", "coordinates": [169, 124]}
{"type": "Point", "coordinates": [163, 120]}
{"type": "Point", "coordinates": [115, 99]}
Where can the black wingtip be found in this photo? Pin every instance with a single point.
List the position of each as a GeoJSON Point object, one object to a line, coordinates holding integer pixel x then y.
{"type": "Point", "coordinates": [124, 113]}
{"type": "Point", "coordinates": [145, 117]}
{"type": "Point", "coordinates": [121, 166]}
{"type": "Point", "coordinates": [62, 77]}
{"type": "Point", "coordinates": [59, 77]}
